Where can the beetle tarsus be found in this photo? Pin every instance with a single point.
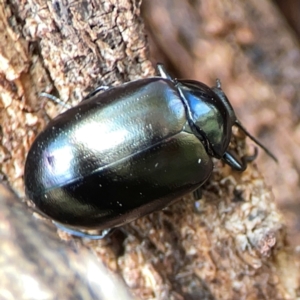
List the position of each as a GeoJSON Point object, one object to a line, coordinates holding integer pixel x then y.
{"type": "Point", "coordinates": [81, 234]}
{"type": "Point", "coordinates": [250, 158]}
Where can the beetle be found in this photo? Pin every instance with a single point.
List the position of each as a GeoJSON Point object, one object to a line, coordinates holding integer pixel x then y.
{"type": "Point", "coordinates": [130, 150]}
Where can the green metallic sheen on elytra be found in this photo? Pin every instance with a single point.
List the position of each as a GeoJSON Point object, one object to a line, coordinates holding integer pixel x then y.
{"type": "Point", "coordinates": [131, 187]}
{"type": "Point", "coordinates": [129, 151]}
{"type": "Point", "coordinates": [104, 129]}
{"type": "Point", "coordinates": [105, 160]}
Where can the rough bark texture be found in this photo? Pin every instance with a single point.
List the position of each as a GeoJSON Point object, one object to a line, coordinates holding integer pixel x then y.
{"type": "Point", "coordinates": [35, 264]}
{"type": "Point", "coordinates": [249, 46]}
{"type": "Point", "coordinates": [232, 244]}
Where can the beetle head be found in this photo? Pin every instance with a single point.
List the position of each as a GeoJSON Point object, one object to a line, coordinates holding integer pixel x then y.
{"type": "Point", "coordinates": [210, 114]}
{"type": "Point", "coordinates": [211, 117]}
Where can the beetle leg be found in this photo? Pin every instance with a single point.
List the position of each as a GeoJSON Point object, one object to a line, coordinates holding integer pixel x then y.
{"type": "Point", "coordinates": [55, 100]}
{"type": "Point", "coordinates": [197, 194]}
{"type": "Point", "coordinates": [81, 234]}
{"type": "Point", "coordinates": [239, 164]}
{"type": "Point", "coordinates": [96, 91]}
{"type": "Point", "coordinates": [163, 72]}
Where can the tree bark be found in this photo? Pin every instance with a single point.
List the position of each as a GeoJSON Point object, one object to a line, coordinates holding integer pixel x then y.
{"type": "Point", "coordinates": [250, 47]}
{"type": "Point", "coordinates": [232, 243]}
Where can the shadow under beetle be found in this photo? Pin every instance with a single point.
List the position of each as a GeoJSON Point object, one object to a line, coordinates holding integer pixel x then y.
{"type": "Point", "coordinates": [129, 151]}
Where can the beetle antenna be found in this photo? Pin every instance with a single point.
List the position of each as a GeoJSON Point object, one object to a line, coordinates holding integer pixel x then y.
{"type": "Point", "coordinates": [239, 125]}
